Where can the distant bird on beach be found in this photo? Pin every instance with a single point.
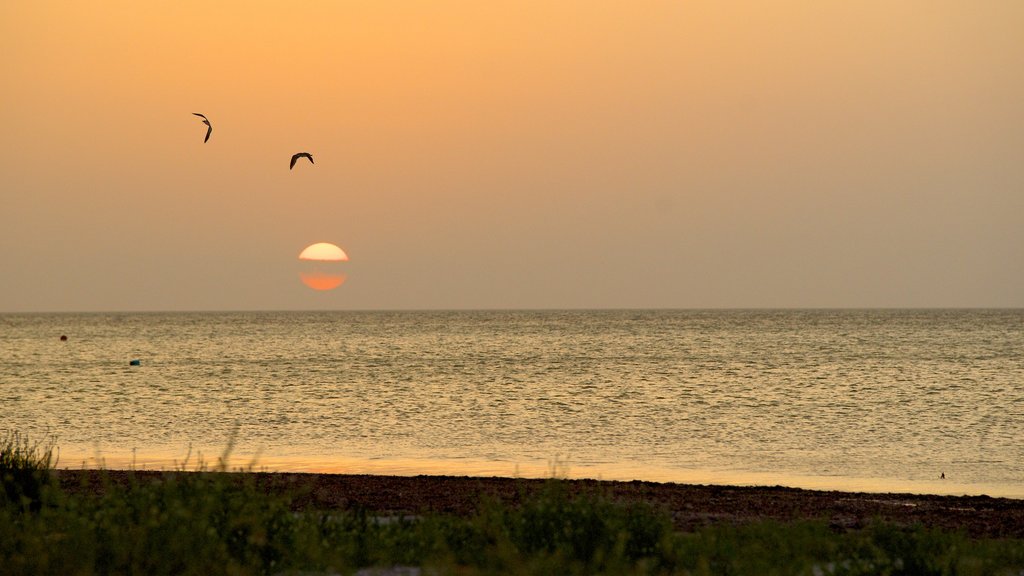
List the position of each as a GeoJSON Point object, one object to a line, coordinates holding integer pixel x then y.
{"type": "Point", "coordinates": [209, 127]}
{"type": "Point", "coordinates": [295, 158]}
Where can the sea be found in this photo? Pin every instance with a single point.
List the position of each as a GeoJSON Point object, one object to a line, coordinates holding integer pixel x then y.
{"type": "Point", "coordinates": [911, 401]}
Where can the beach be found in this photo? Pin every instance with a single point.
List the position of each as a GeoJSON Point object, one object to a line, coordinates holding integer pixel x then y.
{"type": "Point", "coordinates": [690, 506]}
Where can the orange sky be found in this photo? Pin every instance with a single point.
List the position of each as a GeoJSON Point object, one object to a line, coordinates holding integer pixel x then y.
{"type": "Point", "coordinates": [526, 154]}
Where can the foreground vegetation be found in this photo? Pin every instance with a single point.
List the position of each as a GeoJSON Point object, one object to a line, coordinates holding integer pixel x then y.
{"type": "Point", "coordinates": [212, 523]}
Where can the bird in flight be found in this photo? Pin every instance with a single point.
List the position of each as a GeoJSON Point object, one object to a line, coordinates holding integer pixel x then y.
{"type": "Point", "coordinates": [209, 127]}
{"type": "Point", "coordinates": [295, 158]}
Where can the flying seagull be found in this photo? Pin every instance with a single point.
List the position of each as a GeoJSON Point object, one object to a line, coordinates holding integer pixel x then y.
{"type": "Point", "coordinates": [295, 157]}
{"type": "Point", "coordinates": [209, 127]}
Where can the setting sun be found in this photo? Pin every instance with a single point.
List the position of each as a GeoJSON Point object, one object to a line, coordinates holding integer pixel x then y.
{"type": "Point", "coordinates": [321, 263]}
{"type": "Point", "coordinates": [322, 281]}
{"type": "Point", "coordinates": [324, 251]}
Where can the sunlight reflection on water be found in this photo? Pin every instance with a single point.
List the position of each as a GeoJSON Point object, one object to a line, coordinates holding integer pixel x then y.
{"type": "Point", "coordinates": [867, 400]}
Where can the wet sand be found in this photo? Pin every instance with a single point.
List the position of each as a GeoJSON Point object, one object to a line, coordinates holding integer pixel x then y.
{"type": "Point", "coordinates": [690, 506]}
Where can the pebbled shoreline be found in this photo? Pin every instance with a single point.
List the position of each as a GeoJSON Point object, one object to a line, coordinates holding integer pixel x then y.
{"type": "Point", "coordinates": [690, 506]}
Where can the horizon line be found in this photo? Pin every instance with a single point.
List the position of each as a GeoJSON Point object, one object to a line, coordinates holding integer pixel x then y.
{"type": "Point", "coordinates": [525, 309]}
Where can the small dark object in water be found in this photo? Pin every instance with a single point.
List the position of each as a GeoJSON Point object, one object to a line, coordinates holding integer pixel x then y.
{"type": "Point", "coordinates": [135, 363]}
{"type": "Point", "coordinates": [942, 476]}
{"type": "Point", "coordinates": [63, 338]}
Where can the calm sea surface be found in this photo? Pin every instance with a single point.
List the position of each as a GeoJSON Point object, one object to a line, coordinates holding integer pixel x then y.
{"type": "Point", "coordinates": [877, 400]}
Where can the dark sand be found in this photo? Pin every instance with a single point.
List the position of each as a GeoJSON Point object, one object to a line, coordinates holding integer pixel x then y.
{"type": "Point", "coordinates": [691, 506]}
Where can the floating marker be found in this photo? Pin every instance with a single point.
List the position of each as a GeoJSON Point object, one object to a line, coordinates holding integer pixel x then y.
{"type": "Point", "coordinates": [63, 338]}
{"type": "Point", "coordinates": [135, 363]}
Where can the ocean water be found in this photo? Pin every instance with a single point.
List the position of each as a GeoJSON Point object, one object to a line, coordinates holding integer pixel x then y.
{"type": "Point", "coordinates": [875, 400]}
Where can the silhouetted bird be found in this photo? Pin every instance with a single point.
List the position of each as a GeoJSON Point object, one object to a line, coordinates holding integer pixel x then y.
{"type": "Point", "coordinates": [209, 127]}
{"type": "Point", "coordinates": [295, 158]}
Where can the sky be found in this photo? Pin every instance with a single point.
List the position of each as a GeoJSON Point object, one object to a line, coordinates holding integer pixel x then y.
{"type": "Point", "coordinates": [512, 154]}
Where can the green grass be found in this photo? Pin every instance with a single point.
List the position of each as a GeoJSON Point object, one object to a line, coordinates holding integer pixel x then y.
{"type": "Point", "coordinates": [26, 470]}
{"type": "Point", "coordinates": [214, 523]}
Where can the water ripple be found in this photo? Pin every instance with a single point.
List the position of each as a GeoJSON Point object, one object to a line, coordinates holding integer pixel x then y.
{"type": "Point", "coordinates": [902, 395]}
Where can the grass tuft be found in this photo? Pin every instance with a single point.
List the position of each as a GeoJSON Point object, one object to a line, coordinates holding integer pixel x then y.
{"type": "Point", "coordinates": [26, 470]}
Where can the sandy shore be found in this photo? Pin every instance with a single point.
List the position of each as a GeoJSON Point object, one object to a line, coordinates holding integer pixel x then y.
{"type": "Point", "coordinates": [690, 506]}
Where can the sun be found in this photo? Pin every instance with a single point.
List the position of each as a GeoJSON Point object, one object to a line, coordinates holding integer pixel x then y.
{"type": "Point", "coordinates": [321, 264]}
{"type": "Point", "coordinates": [323, 251]}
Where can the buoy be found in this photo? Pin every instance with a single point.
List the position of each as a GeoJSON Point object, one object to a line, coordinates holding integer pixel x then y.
{"type": "Point", "coordinates": [63, 338]}
{"type": "Point", "coordinates": [135, 363]}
